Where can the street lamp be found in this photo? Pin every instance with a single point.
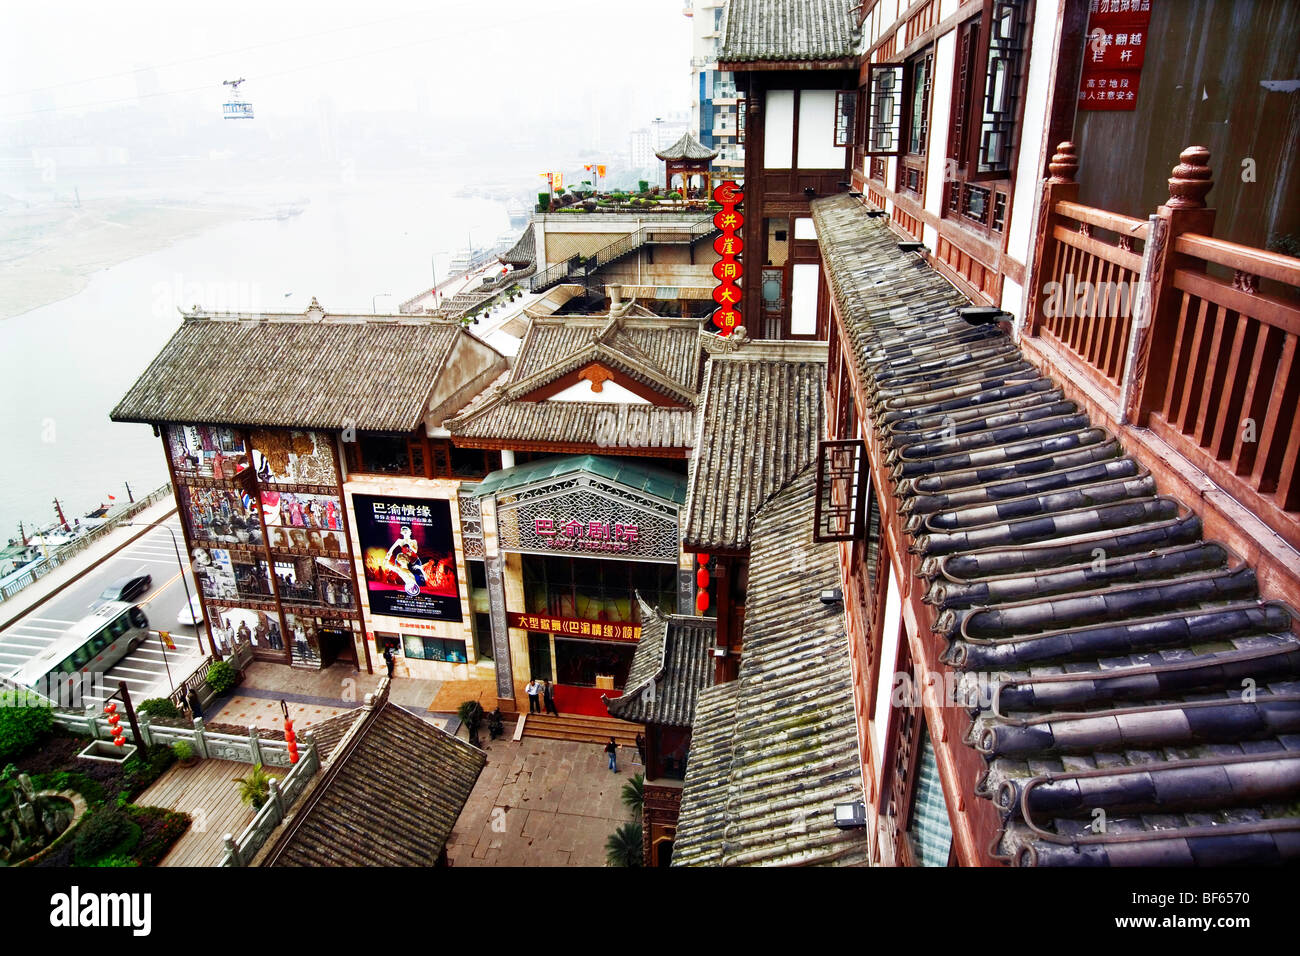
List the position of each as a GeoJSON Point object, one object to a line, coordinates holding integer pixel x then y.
{"type": "Point", "coordinates": [189, 601]}
{"type": "Point", "coordinates": [377, 295]}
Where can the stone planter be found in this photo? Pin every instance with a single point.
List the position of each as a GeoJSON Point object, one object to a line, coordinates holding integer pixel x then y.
{"type": "Point", "coordinates": [104, 751]}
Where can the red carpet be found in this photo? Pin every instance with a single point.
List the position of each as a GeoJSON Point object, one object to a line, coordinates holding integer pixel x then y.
{"type": "Point", "coordinates": [582, 700]}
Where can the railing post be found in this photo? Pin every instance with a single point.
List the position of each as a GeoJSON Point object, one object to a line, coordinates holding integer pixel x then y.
{"type": "Point", "coordinates": [277, 799]}
{"type": "Point", "coordinates": [145, 732]}
{"type": "Point", "coordinates": [232, 849]}
{"type": "Point", "coordinates": [1184, 212]}
{"type": "Point", "coordinates": [255, 744]}
{"type": "Point", "coordinates": [200, 738]}
{"type": "Point", "coordinates": [1061, 186]}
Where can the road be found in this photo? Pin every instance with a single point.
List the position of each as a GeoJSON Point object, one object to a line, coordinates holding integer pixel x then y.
{"type": "Point", "coordinates": [144, 670]}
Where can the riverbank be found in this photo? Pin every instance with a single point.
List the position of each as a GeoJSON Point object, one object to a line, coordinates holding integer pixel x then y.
{"type": "Point", "coordinates": [50, 250]}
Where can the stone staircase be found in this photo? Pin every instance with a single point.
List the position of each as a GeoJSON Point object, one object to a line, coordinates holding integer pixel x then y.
{"type": "Point", "coordinates": [584, 729]}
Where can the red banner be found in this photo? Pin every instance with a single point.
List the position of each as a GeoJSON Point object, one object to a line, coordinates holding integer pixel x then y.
{"type": "Point", "coordinates": [1115, 48]}
{"type": "Point", "coordinates": [575, 627]}
{"type": "Point", "coordinates": [729, 246]}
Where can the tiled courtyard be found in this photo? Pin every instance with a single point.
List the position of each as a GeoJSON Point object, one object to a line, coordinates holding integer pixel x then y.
{"type": "Point", "coordinates": [542, 803]}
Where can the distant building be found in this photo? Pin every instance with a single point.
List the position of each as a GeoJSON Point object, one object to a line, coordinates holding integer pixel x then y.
{"type": "Point", "coordinates": [715, 107]}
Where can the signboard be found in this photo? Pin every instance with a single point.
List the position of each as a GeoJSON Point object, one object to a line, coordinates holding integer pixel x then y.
{"type": "Point", "coordinates": [841, 490]}
{"type": "Point", "coordinates": [584, 520]}
{"type": "Point", "coordinates": [494, 567]}
{"type": "Point", "coordinates": [1116, 43]}
{"type": "Point", "coordinates": [576, 627]}
{"type": "Point", "coordinates": [409, 556]}
{"type": "Point", "coordinates": [729, 268]}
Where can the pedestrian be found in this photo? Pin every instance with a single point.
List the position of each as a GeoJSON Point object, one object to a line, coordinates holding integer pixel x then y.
{"type": "Point", "coordinates": [195, 708]}
{"type": "Point", "coordinates": [532, 689]}
{"type": "Point", "coordinates": [388, 659]}
{"type": "Point", "coordinates": [611, 748]}
{"type": "Point", "coordinates": [640, 747]}
{"type": "Point", "coordinates": [548, 697]}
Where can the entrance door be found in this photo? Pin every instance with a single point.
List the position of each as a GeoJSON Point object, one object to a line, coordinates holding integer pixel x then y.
{"type": "Point", "coordinates": [539, 656]}
{"type": "Point", "coordinates": [335, 645]}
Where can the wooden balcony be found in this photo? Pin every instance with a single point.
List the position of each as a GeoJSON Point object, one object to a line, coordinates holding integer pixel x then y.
{"type": "Point", "coordinates": [1185, 345]}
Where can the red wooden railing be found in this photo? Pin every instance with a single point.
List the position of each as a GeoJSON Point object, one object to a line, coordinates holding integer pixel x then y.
{"type": "Point", "coordinates": [1195, 338]}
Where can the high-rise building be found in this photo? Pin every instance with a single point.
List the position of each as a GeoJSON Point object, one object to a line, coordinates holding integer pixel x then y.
{"type": "Point", "coordinates": [715, 113]}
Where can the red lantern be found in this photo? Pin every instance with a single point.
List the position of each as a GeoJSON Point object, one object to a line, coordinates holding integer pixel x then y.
{"type": "Point", "coordinates": [704, 558]}
{"type": "Point", "coordinates": [702, 578]}
{"type": "Point", "coordinates": [119, 741]}
{"type": "Point", "coordinates": [702, 601]}
{"type": "Point", "coordinates": [728, 245]}
{"type": "Point", "coordinates": [728, 220]}
{"type": "Point", "coordinates": [110, 708]}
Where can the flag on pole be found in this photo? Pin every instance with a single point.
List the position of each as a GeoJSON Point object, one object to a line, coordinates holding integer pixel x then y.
{"type": "Point", "coordinates": [166, 638]}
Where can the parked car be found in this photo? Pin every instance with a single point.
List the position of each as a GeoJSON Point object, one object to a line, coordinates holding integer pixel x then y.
{"type": "Point", "coordinates": [191, 615]}
{"type": "Point", "coordinates": [125, 589]}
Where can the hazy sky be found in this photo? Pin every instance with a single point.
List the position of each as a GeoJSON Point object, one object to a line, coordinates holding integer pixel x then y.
{"type": "Point", "coordinates": [461, 56]}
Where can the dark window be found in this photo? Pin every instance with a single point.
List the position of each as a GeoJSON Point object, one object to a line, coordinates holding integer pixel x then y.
{"type": "Point", "coordinates": [1000, 212]}
{"type": "Point", "coordinates": [434, 649]}
{"type": "Point", "coordinates": [846, 104]}
{"type": "Point", "coordinates": [886, 109]}
{"type": "Point", "coordinates": [483, 636]}
{"type": "Point", "coordinates": [919, 73]}
{"type": "Point", "coordinates": [986, 90]}
{"type": "Point", "coordinates": [595, 590]}
{"type": "Point", "coordinates": [385, 454]}
{"type": "Point", "coordinates": [471, 462]}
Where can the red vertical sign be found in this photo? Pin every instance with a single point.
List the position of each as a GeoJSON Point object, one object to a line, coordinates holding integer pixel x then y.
{"type": "Point", "coordinates": [1115, 49]}
{"type": "Point", "coordinates": [729, 268]}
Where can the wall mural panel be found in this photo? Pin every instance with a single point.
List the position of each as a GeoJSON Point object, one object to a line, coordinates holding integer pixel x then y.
{"type": "Point", "coordinates": [207, 451]}
{"type": "Point", "coordinates": [220, 516]}
{"type": "Point", "coordinates": [231, 625]}
{"type": "Point", "coordinates": [293, 457]}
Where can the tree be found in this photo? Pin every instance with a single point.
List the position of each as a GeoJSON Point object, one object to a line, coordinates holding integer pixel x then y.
{"type": "Point", "coordinates": [634, 795]}
{"type": "Point", "coordinates": [623, 848]}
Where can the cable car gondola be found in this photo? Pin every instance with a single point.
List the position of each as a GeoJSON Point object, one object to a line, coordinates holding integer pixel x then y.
{"type": "Point", "coordinates": [237, 107]}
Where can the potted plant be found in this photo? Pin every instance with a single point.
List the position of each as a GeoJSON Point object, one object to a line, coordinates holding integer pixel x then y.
{"type": "Point", "coordinates": [255, 788]}
{"type": "Point", "coordinates": [221, 677]}
{"type": "Point", "coordinates": [184, 753]}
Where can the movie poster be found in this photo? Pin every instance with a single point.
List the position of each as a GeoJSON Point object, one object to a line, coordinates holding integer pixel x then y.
{"type": "Point", "coordinates": [409, 556]}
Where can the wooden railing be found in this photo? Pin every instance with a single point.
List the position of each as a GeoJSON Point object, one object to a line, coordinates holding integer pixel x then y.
{"type": "Point", "coordinates": [1195, 338]}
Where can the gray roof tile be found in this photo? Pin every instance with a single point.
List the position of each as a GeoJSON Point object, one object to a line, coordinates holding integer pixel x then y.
{"type": "Point", "coordinates": [786, 30]}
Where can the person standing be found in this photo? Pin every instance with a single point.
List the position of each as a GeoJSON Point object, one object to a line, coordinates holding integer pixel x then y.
{"type": "Point", "coordinates": [388, 659]}
{"type": "Point", "coordinates": [531, 689]}
{"type": "Point", "coordinates": [611, 749]}
{"type": "Point", "coordinates": [548, 698]}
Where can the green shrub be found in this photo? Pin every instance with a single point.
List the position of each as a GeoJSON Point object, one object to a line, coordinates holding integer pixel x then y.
{"type": "Point", "coordinates": [183, 750]}
{"type": "Point", "coordinates": [623, 848]}
{"type": "Point", "coordinates": [255, 788]}
{"type": "Point", "coordinates": [24, 722]}
{"type": "Point", "coordinates": [642, 185]}
{"type": "Point", "coordinates": [117, 859]}
{"type": "Point", "coordinates": [103, 832]}
{"type": "Point", "coordinates": [222, 676]}
{"type": "Point", "coordinates": [158, 707]}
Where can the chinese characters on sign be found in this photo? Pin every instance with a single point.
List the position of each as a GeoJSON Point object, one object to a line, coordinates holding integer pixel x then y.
{"type": "Point", "coordinates": [574, 627]}
{"type": "Point", "coordinates": [409, 557]}
{"type": "Point", "coordinates": [728, 269]}
{"type": "Point", "coordinates": [586, 535]}
{"type": "Point", "coordinates": [1116, 47]}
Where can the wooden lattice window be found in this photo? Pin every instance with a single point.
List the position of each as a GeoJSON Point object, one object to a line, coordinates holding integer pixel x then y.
{"type": "Point", "coordinates": [846, 106]}
{"type": "Point", "coordinates": [885, 120]}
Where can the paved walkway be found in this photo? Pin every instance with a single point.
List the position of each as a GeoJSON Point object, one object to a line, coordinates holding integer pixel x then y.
{"type": "Point", "coordinates": [541, 803]}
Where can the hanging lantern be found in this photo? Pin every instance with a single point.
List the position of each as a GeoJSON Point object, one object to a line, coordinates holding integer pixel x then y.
{"type": "Point", "coordinates": [702, 601]}
{"type": "Point", "coordinates": [110, 708]}
{"type": "Point", "coordinates": [292, 740]}
{"type": "Point", "coordinates": [704, 558]}
{"type": "Point", "coordinates": [119, 741]}
{"type": "Point", "coordinates": [702, 578]}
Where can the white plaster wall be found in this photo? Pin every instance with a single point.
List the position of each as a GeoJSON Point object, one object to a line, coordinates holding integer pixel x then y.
{"type": "Point", "coordinates": [1024, 215]}
{"type": "Point", "coordinates": [940, 109]}
{"type": "Point", "coordinates": [778, 129]}
{"type": "Point", "coordinates": [817, 149]}
{"type": "Point", "coordinates": [610, 392]}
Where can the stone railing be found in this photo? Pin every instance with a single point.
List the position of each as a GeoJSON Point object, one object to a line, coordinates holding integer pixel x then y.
{"type": "Point", "coordinates": [24, 577]}
{"type": "Point", "coordinates": [239, 851]}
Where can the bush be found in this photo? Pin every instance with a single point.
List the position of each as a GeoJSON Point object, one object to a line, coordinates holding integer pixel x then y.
{"type": "Point", "coordinates": [24, 723]}
{"type": "Point", "coordinates": [101, 833]}
{"type": "Point", "coordinates": [642, 185]}
{"type": "Point", "coordinates": [623, 848]}
{"type": "Point", "coordinates": [158, 707]}
{"type": "Point", "coordinates": [183, 750]}
{"type": "Point", "coordinates": [222, 676]}
{"type": "Point", "coordinates": [255, 788]}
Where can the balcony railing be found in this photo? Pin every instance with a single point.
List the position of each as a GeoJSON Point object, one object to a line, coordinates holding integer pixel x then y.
{"type": "Point", "coordinates": [1194, 338]}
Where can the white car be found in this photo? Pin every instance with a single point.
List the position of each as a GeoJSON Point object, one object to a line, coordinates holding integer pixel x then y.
{"type": "Point", "coordinates": [191, 616]}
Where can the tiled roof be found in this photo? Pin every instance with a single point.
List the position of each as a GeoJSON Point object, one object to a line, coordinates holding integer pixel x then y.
{"type": "Point", "coordinates": [781, 30]}
{"type": "Point", "coordinates": [389, 795]}
{"type": "Point", "coordinates": [646, 478]}
{"type": "Point", "coordinates": [1104, 642]}
{"type": "Point", "coordinates": [523, 252]}
{"type": "Point", "coordinates": [293, 371]}
{"type": "Point", "coordinates": [687, 147]}
{"type": "Point", "coordinates": [759, 422]}
{"type": "Point", "coordinates": [672, 664]}
{"type": "Point", "coordinates": [775, 750]}
{"type": "Point", "coordinates": [662, 354]}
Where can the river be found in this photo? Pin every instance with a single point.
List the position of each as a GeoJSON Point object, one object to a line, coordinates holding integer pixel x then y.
{"type": "Point", "coordinates": [64, 366]}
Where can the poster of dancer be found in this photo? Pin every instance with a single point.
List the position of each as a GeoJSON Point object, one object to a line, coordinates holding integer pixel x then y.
{"type": "Point", "coordinates": [409, 556]}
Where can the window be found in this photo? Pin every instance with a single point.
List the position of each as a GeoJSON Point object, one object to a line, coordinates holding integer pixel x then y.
{"type": "Point", "coordinates": [885, 114]}
{"type": "Point", "coordinates": [443, 649]}
{"type": "Point", "coordinates": [986, 90]}
{"type": "Point", "coordinates": [918, 120]}
{"type": "Point", "coordinates": [929, 829]}
{"type": "Point", "coordinates": [846, 106]}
